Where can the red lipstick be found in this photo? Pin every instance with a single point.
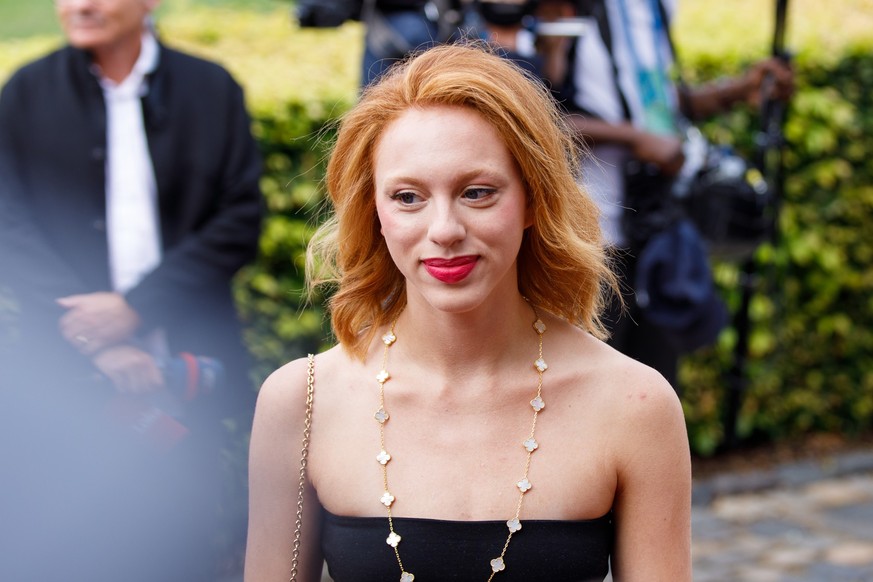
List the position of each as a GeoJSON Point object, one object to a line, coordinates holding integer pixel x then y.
{"type": "Point", "coordinates": [450, 270]}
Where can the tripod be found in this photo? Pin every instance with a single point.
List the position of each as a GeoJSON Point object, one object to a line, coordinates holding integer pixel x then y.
{"type": "Point", "coordinates": [769, 159]}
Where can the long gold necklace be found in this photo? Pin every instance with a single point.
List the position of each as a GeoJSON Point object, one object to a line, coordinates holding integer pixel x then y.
{"type": "Point", "coordinates": [530, 444]}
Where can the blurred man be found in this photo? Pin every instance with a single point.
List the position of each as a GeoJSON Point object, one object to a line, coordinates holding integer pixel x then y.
{"type": "Point", "coordinates": [521, 29]}
{"type": "Point", "coordinates": [129, 197]}
{"type": "Point", "coordinates": [503, 26]}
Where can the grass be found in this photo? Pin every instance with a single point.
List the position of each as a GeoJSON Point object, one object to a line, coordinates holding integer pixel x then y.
{"type": "Point", "coordinates": [26, 18]}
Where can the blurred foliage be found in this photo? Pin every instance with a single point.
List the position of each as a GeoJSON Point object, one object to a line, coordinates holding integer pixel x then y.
{"type": "Point", "coordinates": [811, 340]}
{"type": "Point", "coordinates": [24, 19]}
{"type": "Point", "coordinates": [281, 323]}
{"type": "Point", "coordinates": [811, 343]}
{"type": "Point", "coordinates": [277, 62]}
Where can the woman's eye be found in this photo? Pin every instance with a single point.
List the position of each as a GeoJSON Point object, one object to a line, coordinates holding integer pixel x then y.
{"type": "Point", "coordinates": [405, 197]}
{"type": "Point", "coordinates": [477, 193]}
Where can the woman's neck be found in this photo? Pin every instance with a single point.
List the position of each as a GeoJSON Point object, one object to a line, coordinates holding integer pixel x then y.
{"type": "Point", "coordinates": [455, 343]}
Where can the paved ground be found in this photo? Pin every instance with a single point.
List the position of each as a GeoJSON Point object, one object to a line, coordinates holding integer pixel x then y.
{"type": "Point", "coordinates": [818, 532]}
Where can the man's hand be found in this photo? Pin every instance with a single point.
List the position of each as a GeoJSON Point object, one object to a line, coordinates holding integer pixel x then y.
{"type": "Point", "coordinates": [768, 79]}
{"type": "Point", "coordinates": [130, 369]}
{"type": "Point", "coordinates": [95, 321]}
{"type": "Point", "coordinates": [663, 151]}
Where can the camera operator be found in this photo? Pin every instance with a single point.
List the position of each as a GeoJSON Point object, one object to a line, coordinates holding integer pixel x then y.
{"type": "Point", "coordinates": [506, 24]}
{"type": "Point", "coordinates": [535, 34]}
{"type": "Point", "coordinates": [626, 106]}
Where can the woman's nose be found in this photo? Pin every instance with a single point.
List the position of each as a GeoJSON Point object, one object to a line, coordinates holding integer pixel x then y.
{"type": "Point", "coordinates": [446, 225]}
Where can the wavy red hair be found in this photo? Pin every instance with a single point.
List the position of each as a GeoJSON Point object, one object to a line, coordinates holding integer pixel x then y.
{"type": "Point", "coordinates": [562, 265]}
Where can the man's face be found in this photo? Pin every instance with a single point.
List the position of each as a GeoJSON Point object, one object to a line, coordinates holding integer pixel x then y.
{"type": "Point", "coordinates": [97, 25]}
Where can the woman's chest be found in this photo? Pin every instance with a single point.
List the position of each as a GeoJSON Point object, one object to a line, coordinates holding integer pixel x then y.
{"type": "Point", "coordinates": [462, 466]}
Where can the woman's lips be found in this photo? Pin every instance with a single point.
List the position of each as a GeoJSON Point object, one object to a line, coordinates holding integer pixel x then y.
{"type": "Point", "coordinates": [450, 270]}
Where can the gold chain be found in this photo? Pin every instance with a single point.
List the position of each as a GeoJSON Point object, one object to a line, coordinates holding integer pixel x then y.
{"type": "Point", "coordinates": [304, 455]}
{"type": "Point", "coordinates": [498, 564]}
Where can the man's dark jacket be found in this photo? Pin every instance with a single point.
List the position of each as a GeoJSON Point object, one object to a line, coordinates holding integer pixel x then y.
{"type": "Point", "coordinates": [52, 202]}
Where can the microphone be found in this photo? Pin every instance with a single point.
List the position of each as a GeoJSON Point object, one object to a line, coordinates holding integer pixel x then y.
{"type": "Point", "coordinates": [190, 377]}
{"type": "Point", "coordinates": [157, 418]}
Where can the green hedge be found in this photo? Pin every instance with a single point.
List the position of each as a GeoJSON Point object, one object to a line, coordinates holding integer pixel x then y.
{"type": "Point", "coordinates": [811, 344]}
{"type": "Point", "coordinates": [281, 323]}
{"type": "Point", "coordinates": [810, 366]}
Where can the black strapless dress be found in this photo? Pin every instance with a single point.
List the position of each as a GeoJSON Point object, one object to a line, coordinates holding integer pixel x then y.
{"type": "Point", "coordinates": [438, 551]}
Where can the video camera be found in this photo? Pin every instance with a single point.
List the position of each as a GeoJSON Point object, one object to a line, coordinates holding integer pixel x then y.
{"type": "Point", "coordinates": [726, 196]}
{"type": "Point", "coordinates": [524, 14]}
{"type": "Point", "coordinates": [327, 13]}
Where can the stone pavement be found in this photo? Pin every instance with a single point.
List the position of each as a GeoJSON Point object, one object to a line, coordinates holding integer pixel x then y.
{"type": "Point", "coordinates": [809, 522]}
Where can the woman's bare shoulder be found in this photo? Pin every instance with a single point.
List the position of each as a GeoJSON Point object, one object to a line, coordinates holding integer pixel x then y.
{"type": "Point", "coordinates": [637, 389]}
{"type": "Point", "coordinates": [284, 392]}
{"type": "Point", "coordinates": [622, 385]}
{"type": "Point", "coordinates": [636, 395]}
{"type": "Point", "coordinates": [284, 382]}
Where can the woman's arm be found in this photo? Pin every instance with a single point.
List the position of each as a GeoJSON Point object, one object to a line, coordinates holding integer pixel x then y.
{"type": "Point", "coordinates": [653, 497]}
{"type": "Point", "coordinates": [274, 474]}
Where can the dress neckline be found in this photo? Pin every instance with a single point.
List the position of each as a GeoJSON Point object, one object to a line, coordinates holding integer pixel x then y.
{"type": "Point", "coordinates": [606, 517]}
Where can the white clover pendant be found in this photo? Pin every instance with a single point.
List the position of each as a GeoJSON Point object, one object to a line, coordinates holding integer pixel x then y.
{"type": "Point", "coordinates": [538, 403]}
{"type": "Point", "coordinates": [539, 326]}
{"type": "Point", "coordinates": [541, 365]}
{"type": "Point", "coordinates": [387, 499]}
{"type": "Point", "coordinates": [393, 540]}
{"type": "Point", "coordinates": [382, 376]}
{"type": "Point", "coordinates": [497, 565]}
{"type": "Point", "coordinates": [531, 444]}
{"type": "Point", "coordinates": [383, 457]}
{"type": "Point", "coordinates": [514, 525]}
{"type": "Point", "coordinates": [389, 338]}
{"type": "Point", "coordinates": [381, 416]}
{"type": "Point", "coordinates": [406, 577]}
{"type": "Point", "coordinates": [524, 485]}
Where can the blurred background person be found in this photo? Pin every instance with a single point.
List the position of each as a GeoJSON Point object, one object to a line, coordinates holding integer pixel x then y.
{"type": "Point", "coordinates": [522, 31]}
{"type": "Point", "coordinates": [129, 198]}
{"type": "Point", "coordinates": [626, 103]}
{"type": "Point", "coordinates": [506, 24]}
{"type": "Point", "coordinates": [396, 28]}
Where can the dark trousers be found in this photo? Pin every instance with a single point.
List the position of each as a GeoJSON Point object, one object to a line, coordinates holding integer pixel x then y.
{"type": "Point", "coordinates": [630, 332]}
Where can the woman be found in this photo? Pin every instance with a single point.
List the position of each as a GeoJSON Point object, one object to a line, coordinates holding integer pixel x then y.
{"type": "Point", "coordinates": [470, 423]}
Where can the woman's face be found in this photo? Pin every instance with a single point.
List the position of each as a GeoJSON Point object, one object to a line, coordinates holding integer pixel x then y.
{"type": "Point", "coordinates": [452, 206]}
